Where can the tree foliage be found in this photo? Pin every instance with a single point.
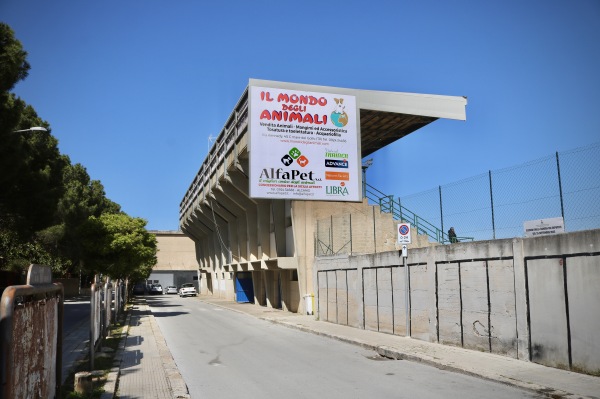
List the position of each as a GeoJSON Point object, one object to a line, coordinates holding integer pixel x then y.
{"type": "Point", "coordinates": [119, 246]}
{"type": "Point", "coordinates": [52, 212]}
{"type": "Point", "coordinates": [13, 59]}
{"type": "Point", "coordinates": [82, 197]}
{"type": "Point", "coordinates": [31, 166]}
{"type": "Point", "coordinates": [16, 255]}
{"type": "Point", "coordinates": [32, 173]}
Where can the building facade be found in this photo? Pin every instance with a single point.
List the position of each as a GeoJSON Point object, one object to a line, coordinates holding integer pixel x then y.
{"type": "Point", "coordinates": [175, 260]}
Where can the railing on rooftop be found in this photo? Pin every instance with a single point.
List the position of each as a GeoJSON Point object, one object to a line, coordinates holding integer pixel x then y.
{"type": "Point", "coordinates": [234, 126]}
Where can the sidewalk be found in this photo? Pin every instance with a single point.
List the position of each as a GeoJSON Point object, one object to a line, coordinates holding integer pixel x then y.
{"type": "Point", "coordinates": [145, 352]}
{"type": "Point", "coordinates": [147, 369]}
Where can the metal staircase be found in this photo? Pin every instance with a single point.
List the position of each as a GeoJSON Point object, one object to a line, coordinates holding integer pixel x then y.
{"type": "Point", "coordinates": [389, 205]}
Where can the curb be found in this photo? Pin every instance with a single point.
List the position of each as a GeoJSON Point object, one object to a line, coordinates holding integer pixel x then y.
{"type": "Point", "coordinates": [176, 382]}
{"type": "Point", "coordinates": [393, 353]}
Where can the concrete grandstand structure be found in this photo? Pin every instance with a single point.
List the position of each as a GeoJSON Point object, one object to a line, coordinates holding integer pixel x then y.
{"type": "Point", "coordinates": [262, 250]}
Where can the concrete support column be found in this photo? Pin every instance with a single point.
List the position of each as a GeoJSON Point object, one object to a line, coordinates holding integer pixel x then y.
{"type": "Point", "coordinates": [220, 227]}
{"type": "Point", "coordinates": [238, 227]}
{"type": "Point", "coordinates": [200, 222]}
{"type": "Point", "coordinates": [523, 348]}
{"type": "Point", "coordinates": [252, 233]}
{"type": "Point", "coordinates": [237, 204]}
{"type": "Point", "coordinates": [304, 228]}
{"type": "Point", "coordinates": [221, 207]}
{"type": "Point", "coordinates": [278, 212]}
{"type": "Point", "coordinates": [260, 294]}
{"type": "Point", "coordinates": [236, 188]}
{"type": "Point", "coordinates": [264, 227]}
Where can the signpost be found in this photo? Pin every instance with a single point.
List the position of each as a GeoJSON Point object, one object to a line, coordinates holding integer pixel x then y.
{"type": "Point", "coordinates": [404, 251]}
{"type": "Point", "coordinates": [405, 239]}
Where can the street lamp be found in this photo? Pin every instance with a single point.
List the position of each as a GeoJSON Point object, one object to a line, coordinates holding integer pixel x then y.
{"type": "Point", "coordinates": [32, 129]}
{"type": "Point", "coordinates": [365, 166]}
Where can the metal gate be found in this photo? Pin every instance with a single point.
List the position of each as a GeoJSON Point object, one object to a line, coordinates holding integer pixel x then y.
{"type": "Point", "coordinates": [244, 289]}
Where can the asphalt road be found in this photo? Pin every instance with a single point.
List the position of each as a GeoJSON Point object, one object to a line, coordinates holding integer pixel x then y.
{"type": "Point", "coordinates": [75, 318]}
{"type": "Point", "coordinates": [225, 354]}
{"type": "Point", "coordinates": [75, 312]}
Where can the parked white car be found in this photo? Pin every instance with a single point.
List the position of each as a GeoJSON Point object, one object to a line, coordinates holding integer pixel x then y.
{"type": "Point", "coordinates": [187, 290]}
{"type": "Point", "coordinates": [171, 289]}
{"type": "Point", "coordinates": [156, 289]}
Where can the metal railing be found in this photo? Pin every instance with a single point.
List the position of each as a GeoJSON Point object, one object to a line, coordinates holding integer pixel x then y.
{"type": "Point", "coordinates": [388, 204]}
{"type": "Point", "coordinates": [31, 332]}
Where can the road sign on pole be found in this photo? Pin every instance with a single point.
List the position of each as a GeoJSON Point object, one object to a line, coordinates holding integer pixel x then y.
{"type": "Point", "coordinates": [404, 233]}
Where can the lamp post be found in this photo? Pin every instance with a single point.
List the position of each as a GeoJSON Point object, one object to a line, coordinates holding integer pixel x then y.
{"type": "Point", "coordinates": [365, 166]}
{"type": "Point", "coordinates": [32, 129]}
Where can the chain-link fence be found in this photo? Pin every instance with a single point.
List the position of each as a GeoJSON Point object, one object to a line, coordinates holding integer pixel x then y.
{"type": "Point", "coordinates": [495, 204]}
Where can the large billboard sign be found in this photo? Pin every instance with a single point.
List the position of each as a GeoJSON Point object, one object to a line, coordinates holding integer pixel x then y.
{"type": "Point", "coordinates": [304, 145]}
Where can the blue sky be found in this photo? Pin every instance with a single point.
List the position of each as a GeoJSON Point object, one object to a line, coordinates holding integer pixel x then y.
{"type": "Point", "coordinates": [133, 89]}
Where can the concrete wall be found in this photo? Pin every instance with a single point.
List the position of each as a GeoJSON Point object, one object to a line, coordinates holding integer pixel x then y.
{"type": "Point", "coordinates": [563, 280]}
{"type": "Point", "coordinates": [176, 262]}
{"type": "Point", "coordinates": [532, 299]}
{"type": "Point", "coordinates": [357, 228]}
{"type": "Point", "coordinates": [176, 251]}
{"type": "Point", "coordinates": [222, 284]}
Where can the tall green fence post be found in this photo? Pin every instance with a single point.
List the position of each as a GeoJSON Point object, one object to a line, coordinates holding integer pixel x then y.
{"type": "Point", "coordinates": [562, 208]}
{"type": "Point", "coordinates": [492, 202]}
{"type": "Point", "coordinates": [441, 212]}
{"type": "Point", "coordinates": [400, 207]}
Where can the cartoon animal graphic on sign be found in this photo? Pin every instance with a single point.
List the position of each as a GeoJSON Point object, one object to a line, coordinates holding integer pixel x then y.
{"type": "Point", "coordinates": [339, 117]}
{"type": "Point", "coordinates": [302, 161]}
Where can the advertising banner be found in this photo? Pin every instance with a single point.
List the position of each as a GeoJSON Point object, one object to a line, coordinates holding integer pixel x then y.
{"type": "Point", "coordinates": [304, 145]}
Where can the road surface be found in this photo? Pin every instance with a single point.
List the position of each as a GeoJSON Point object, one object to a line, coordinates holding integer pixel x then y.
{"type": "Point", "coordinates": [225, 354]}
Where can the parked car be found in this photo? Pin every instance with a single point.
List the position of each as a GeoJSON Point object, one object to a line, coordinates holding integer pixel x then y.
{"type": "Point", "coordinates": [139, 289]}
{"type": "Point", "coordinates": [156, 289]}
{"type": "Point", "coordinates": [171, 289]}
{"type": "Point", "coordinates": [187, 289]}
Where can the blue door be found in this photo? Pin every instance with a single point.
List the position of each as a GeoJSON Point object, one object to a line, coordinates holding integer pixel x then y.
{"type": "Point", "coordinates": [244, 290]}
